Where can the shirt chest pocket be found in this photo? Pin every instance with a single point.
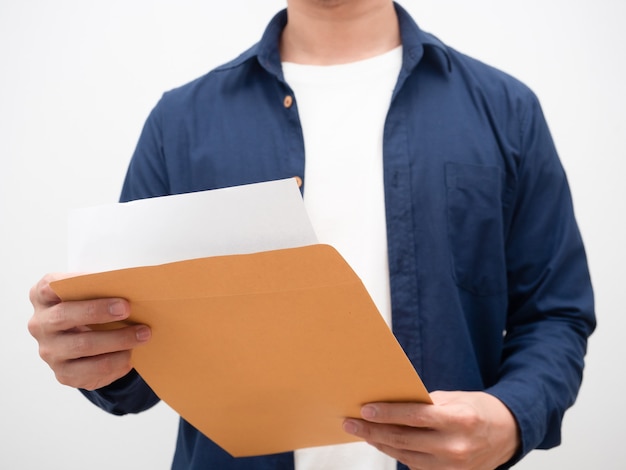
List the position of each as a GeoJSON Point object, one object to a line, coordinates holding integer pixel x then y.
{"type": "Point", "coordinates": [475, 227]}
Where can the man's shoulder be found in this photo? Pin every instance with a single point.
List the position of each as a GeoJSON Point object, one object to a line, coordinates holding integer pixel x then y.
{"type": "Point", "coordinates": [484, 76]}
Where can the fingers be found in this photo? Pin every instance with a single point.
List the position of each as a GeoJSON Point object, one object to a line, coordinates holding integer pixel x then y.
{"type": "Point", "coordinates": [80, 356]}
{"type": "Point", "coordinates": [397, 425]}
{"type": "Point", "coordinates": [448, 409]}
{"type": "Point", "coordinates": [419, 415]}
{"type": "Point", "coordinates": [91, 373]}
{"type": "Point", "coordinates": [41, 294]}
{"type": "Point", "coordinates": [94, 372]}
{"type": "Point", "coordinates": [73, 345]}
{"type": "Point", "coordinates": [397, 437]}
{"type": "Point", "coordinates": [51, 315]}
{"type": "Point", "coordinates": [468, 430]}
{"type": "Point", "coordinates": [64, 316]}
{"type": "Point", "coordinates": [414, 447]}
{"type": "Point", "coordinates": [92, 359]}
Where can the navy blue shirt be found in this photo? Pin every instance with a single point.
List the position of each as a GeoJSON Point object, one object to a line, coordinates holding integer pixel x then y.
{"type": "Point", "coordinates": [489, 282]}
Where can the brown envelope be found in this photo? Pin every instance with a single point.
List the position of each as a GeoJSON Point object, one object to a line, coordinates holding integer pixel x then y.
{"type": "Point", "coordinates": [264, 352]}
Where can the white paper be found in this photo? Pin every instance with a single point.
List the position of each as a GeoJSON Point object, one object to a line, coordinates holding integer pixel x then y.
{"type": "Point", "coordinates": [242, 219]}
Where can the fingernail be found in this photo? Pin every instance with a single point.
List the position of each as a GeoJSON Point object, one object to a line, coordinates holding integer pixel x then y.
{"type": "Point", "coordinates": [350, 426]}
{"type": "Point", "coordinates": [368, 412]}
{"type": "Point", "coordinates": [143, 333]}
{"type": "Point", "coordinates": [117, 309]}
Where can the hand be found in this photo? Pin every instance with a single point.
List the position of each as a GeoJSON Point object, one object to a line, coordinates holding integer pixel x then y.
{"type": "Point", "coordinates": [461, 430]}
{"type": "Point", "coordinates": [79, 356]}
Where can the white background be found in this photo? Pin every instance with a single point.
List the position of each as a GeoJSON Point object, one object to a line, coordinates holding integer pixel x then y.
{"type": "Point", "coordinates": [78, 79]}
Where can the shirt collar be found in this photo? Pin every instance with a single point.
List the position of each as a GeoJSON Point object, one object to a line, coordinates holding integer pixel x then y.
{"type": "Point", "coordinates": [416, 45]}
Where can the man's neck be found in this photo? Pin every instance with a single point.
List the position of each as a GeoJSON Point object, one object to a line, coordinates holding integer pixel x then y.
{"type": "Point", "coordinates": [328, 32]}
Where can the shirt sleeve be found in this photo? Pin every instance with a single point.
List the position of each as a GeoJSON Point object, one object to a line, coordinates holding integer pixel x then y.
{"type": "Point", "coordinates": [147, 174]}
{"type": "Point", "coordinates": [551, 305]}
{"type": "Point", "coordinates": [130, 394]}
{"type": "Point", "coordinates": [146, 177]}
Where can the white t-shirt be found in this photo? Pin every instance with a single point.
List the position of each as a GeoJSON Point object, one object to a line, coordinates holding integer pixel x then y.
{"type": "Point", "coordinates": [342, 109]}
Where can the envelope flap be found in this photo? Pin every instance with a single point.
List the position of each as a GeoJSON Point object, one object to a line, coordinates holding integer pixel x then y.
{"type": "Point", "coordinates": [270, 271]}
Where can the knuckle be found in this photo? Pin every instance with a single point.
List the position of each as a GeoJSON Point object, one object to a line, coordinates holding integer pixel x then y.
{"type": "Point", "coordinates": [467, 418]}
{"type": "Point", "coordinates": [50, 354]}
{"type": "Point", "coordinates": [108, 368]}
{"type": "Point", "coordinates": [34, 327]}
{"type": "Point", "coordinates": [417, 419]}
{"type": "Point", "coordinates": [104, 365]}
{"type": "Point", "coordinates": [64, 379]}
{"type": "Point", "coordinates": [64, 373]}
{"type": "Point", "coordinates": [91, 311]}
{"type": "Point", "coordinates": [46, 354]}
{"type": "Point", "coordinates": [460, 451]}
{"type": "Point", "coordinates": [398, 439]}
{"type": "Point", "coordinates": [81, 345]}
{"type": "Point", "coordinates": [55, 317]}
{"type": "Point", "coordinates": [42, 293]}
{"type": "Point", "coordinates": [36, 290]}
{"type": "Point", "coordinates": [33, 294]}
{"type": "Point", "coordinates": [94, 372]}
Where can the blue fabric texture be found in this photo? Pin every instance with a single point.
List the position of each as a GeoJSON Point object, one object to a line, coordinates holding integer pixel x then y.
{"type": "Point", "coordinates": [489, 280]}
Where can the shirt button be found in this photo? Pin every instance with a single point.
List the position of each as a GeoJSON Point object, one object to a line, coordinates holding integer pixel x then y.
{"type": "Point", "coordinates": [299, 181]}
{"type": "Point", "coordinates": [288, 101]}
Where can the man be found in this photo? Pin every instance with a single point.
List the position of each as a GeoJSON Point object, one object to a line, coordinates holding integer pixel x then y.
{"type": "Point", "coordinates": [464, 232]}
